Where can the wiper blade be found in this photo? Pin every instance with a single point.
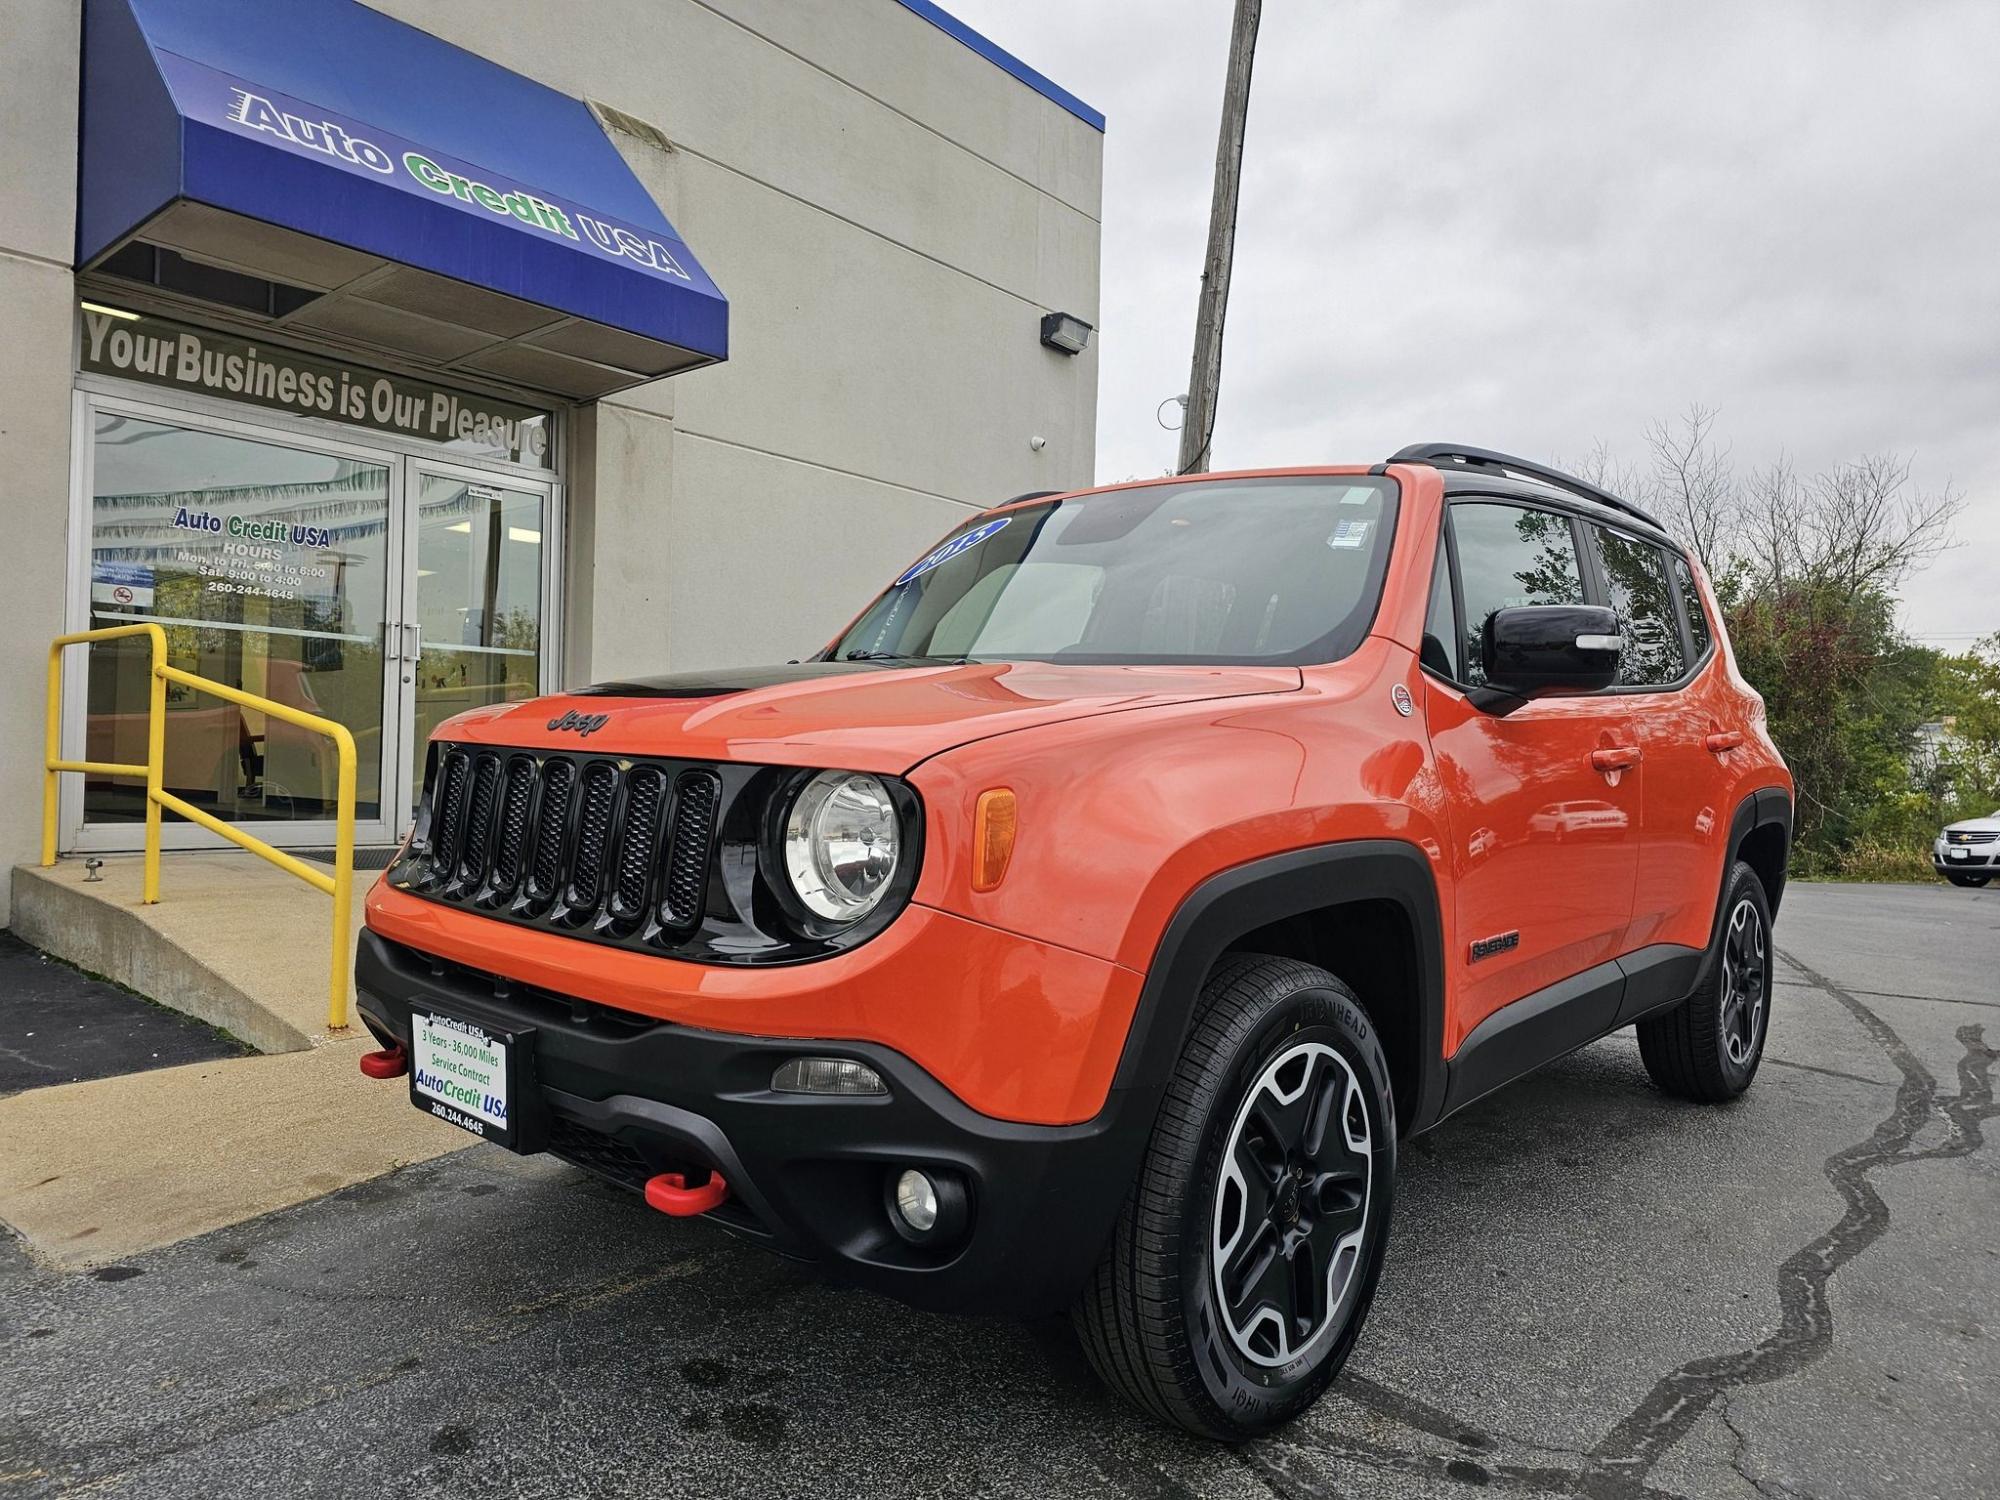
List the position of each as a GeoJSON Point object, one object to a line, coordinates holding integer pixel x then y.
{"type": "Point", "coordinates": [942, 661]}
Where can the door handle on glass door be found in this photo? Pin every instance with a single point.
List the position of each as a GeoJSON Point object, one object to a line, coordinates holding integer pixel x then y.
{"type": "Point", "coordinates": [1723, 739]}
{"type": "Point", "coordinates": [1616, 758]}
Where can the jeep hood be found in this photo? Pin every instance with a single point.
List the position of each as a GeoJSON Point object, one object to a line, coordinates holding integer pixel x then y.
{"type": "Point", "coordinates": [862, 716]}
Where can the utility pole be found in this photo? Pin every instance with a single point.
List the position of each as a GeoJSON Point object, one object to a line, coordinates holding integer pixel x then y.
{"type": "Point", "coordinates": [1205, 380]}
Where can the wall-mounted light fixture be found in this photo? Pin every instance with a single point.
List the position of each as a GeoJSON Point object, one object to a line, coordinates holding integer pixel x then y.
{"type": "Point", "coordinates": [1064, 332]}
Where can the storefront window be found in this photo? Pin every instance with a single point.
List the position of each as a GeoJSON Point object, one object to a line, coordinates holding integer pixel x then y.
{"type": "Point", "coordinates": [268, 566]}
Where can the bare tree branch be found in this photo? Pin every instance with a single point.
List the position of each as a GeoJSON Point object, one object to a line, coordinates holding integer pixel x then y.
{"type": "Point", "coordinates": [1692, 483]}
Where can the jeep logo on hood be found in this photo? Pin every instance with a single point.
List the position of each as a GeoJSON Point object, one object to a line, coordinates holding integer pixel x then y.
{"type": "Point", "coordinates": [584, 724]}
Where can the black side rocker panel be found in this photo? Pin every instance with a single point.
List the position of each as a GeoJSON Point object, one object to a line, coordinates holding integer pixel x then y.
{"type": "Point", "coordinates": [1539, 1028]}
{"type": "Point", "coordinates": [1239, 900]}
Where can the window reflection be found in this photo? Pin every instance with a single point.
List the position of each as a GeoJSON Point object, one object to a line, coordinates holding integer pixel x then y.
{"type": "Point", "coordinates": [1637, 576]}
{"type": "Point", "coordinates": [1509, 556]}
{"type": "Point", "coordinates": [267, 566]}
{"type": "Point", "coordinates": [479, 597]}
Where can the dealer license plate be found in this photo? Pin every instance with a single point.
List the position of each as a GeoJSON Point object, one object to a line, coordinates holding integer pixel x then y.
{"type": "Point", "coordinates": [465, 1074]}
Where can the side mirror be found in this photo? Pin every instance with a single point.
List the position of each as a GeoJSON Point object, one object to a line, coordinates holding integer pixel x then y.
{"type": "Point", "coordinates": [1543, 650]}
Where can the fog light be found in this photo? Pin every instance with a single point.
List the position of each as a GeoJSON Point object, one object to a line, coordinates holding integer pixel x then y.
{"type": "Point", "coordinates": [916, 1201]}
{"type": "Point", "coordinates": [928, 1208]}
{"type": "Point", "coordinates": [826, 1075]}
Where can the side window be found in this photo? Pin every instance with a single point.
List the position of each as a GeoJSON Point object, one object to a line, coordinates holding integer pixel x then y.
{"type": "Point", "coordinates": [1635, 573]}
{"type": "Point", "coordinates": [1508, 556]}
{"type": "Point", "coordinates": [1698, 630]}
{"type": "Point", "coordinates": [1440, 652]}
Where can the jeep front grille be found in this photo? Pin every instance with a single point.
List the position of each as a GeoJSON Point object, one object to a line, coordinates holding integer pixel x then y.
{"type": "Point", "coordinates": [614, 848]}
{"type": "Point", "coordinates": [671, 857]}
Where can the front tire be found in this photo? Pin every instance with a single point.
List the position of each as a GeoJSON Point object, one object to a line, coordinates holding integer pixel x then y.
{"type": "Point", "coordinates": [1974, 881]}
{"type": "Point", "coordinates": [1708, 1047]}
{"type": "Point", "coordinates": [1246, 1256]}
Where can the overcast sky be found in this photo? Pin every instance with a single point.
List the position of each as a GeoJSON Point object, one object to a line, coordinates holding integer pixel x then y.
{"type": "Point", "coordinates": [1535, 225]}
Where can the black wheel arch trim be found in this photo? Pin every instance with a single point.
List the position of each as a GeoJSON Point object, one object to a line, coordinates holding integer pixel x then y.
{"type": "Point", "coordinates": [1239, 900]}
{"type": "Point", "coordinates": [1767, 807]}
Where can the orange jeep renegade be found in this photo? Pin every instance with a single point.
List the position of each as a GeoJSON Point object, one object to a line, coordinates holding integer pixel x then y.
{"type": "Point", "coordinates": [1084, 927]}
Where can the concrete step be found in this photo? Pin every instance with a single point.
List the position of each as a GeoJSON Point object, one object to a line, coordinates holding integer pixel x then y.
{"type": "Point", "coordinates": [101, 1169]}
{"type": "Point", "coordinates": [233, 941]}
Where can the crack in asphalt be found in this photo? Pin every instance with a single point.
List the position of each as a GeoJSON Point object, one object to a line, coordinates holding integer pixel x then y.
{"type": "Point", "coordinates": [1619, 1466]}
{"type": "Point", "coordinates": [1873, 1083]}
{"type": "Point", "coordinates": [1289, 1465]}
{"type": "Point", "coordinates": [1800, 984]}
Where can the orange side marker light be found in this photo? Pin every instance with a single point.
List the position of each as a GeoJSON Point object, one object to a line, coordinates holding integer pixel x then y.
{"type": "Point", "coordinates": [994, 822]}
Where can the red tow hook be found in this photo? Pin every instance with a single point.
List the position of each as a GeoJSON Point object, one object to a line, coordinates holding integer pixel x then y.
{"type": "Point", "coordinates": [670, 1194]}
{"type": "Point", "coordinates": [391, 1062]}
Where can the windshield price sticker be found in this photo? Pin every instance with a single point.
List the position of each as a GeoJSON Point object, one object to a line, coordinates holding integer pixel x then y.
{"type": "Point", "coordinates": [459, 1073]}
{"type": "Point", "coordinates": [965, 541]}
{"type": "Point", "coordinates": [1348, 534]}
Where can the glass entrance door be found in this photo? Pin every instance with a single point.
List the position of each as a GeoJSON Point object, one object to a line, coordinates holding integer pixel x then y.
{"type": "Point", "coordinates": [379, 589]}
{"type": "Point", "coordinates": [480, 551]}
{"type": "Point", "coordinates": [270, 566]}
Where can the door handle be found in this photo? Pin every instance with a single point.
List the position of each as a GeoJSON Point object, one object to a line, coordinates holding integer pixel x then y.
{"type": "Point", "coordinates": [1615, 758]}
{"type": "Point", "coordinates": [1723, 739]}
{"type": "Point", "coordinates": [413, 642]}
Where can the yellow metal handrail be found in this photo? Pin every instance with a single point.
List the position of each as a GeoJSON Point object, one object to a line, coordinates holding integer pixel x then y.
{"type": "Point", "coordinates": [339, 885]}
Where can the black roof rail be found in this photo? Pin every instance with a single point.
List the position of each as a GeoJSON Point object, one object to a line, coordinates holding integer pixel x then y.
{"type": "Point", "coordinates": [1027, 495]}
{"type": "Point", "coordinates": [1486, 458]}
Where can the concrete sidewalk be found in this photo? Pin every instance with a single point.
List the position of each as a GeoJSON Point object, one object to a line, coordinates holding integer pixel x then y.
{"type": "Point", "coordinates": [93, 1172]}
{"type": "Point", "coordinates": [96, 1171]}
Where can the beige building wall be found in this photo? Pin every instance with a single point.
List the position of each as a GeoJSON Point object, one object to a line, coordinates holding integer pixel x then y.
{"type": "Point", "coordinates": [38, 90]}
{"type": "Point", "coordinates": [890, 215]}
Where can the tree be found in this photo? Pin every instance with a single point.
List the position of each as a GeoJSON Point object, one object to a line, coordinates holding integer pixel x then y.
{"type": "Point", "coordinates": [1807, 569]}
{"type": "Point", "coordinates": [1963, 769]}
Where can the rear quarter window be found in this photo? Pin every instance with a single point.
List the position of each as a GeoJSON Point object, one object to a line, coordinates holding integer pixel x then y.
{"type": "Point", "coordinates": [1701, 636]}
{"type": "Point", "coordinates": [1635, 579]}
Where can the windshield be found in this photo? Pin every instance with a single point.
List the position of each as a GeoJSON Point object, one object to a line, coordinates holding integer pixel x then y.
{"type": "Point", "coordinates": [1281, 571]}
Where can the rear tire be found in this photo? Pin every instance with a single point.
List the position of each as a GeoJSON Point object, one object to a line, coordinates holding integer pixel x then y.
{"type": "Point", "coordinates": [1274, 1155]}
{"type": "Point", "coordinates": [1973, 881]}
{"type": "Point", "coordinates": [1708, 1047]}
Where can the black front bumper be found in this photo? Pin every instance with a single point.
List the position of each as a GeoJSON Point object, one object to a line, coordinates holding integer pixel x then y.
{"type": "Point", "coordinates": [626, 1097]}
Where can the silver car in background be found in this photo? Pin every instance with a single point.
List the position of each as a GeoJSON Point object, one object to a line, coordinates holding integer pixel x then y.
{"type": "Point", "coordinates": [1968, 853]}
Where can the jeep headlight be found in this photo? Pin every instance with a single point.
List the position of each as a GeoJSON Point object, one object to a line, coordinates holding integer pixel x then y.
{"type": "Point", "coordinates": [842, 843]}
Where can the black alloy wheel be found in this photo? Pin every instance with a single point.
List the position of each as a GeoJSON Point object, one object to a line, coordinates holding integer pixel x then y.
{"type": "Point", "coordinates": [1291, 1208]}
{"type": "Point", "coordinates": [1745, 980]}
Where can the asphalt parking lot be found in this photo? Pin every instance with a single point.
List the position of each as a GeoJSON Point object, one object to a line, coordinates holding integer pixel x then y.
{"type": "Point", "coordinates": [1592, 1290]}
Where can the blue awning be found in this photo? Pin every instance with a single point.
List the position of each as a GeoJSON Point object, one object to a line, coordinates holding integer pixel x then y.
{"type": "Point", "coordinates": [397, 191]}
